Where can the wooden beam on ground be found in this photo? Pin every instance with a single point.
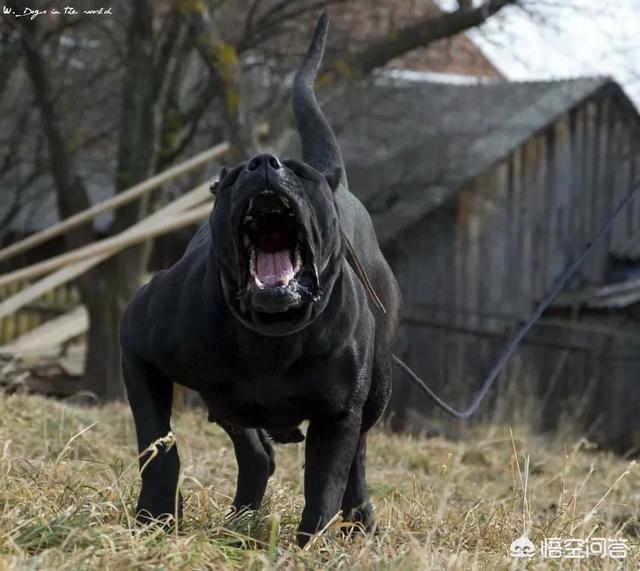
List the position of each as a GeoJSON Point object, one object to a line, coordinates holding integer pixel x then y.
{"type": "Point", "coordinates": [140, 232]}
{"type": "Point", "coordinates": [118, 200]}
{"type": "Point", "coordinates": [60, 386]}
{"type": "Point", "coordinates": [52, 281]}
{"type": "Point", "coordinates": [110, 245]}
{"type": "Point", "coordinates": [51, 335]}
{"type": "Point", "coordinates": [72, 271]}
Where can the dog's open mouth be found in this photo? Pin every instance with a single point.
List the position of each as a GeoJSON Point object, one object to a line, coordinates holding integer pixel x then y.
{"type": "Point", "coordinates": [280, 275]}
{"type": "Point", "coordinates": [274, 241]}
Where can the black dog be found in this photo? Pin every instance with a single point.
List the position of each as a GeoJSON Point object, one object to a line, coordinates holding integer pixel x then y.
{"type": "Point", "coordinates": [266, 319]}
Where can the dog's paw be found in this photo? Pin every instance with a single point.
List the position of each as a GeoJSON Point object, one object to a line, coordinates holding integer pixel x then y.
{"type": "Point", "coordinates": [148, 518]}
{"type": "Point", "coordinates": [162, 512]}
{"type": "Point", "coordinates": [360, 521]}
{"type": "Point", "coordinates": [324, 525]}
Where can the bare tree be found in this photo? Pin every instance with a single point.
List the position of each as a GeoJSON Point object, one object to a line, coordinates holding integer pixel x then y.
{"type": "Point", "coordinates": [169, 76]}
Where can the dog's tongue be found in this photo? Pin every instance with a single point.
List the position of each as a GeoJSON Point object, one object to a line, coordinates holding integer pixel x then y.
{"type": "Point", "coordinates": [274, 268]}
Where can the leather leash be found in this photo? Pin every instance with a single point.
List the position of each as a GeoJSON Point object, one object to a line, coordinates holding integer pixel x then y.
{"type": "Point", "coordinates": [353, 260]}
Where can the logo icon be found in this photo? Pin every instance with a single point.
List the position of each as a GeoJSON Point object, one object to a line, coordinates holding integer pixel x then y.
{"type": "Point", "coordinates": [522, 547]}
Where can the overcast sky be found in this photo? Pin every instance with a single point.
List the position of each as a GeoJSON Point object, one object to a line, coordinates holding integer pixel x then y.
{"type": "Point", "coordinates": [567, 38]}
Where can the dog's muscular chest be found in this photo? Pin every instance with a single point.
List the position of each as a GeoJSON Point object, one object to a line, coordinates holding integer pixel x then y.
{"type": "Point", "coordinates": [270, 383]}
{"type": "Point", "coordinates": [253, 381]}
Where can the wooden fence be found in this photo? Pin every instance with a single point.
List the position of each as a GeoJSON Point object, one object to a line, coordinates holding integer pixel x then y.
{"type": "Point", "coordinates": [52, 304]}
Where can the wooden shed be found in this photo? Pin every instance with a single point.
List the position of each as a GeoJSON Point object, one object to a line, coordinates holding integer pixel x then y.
{"type": "Point", "coordinates": [482, 193]}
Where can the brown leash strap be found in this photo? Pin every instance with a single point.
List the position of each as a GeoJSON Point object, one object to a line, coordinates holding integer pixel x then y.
{"type": "Point", "coordinates": [353, 260]}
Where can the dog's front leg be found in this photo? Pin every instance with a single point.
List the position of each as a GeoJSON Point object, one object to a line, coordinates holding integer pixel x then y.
{"type": "Point", "coordinates": [150, 396]}
{"type": "Point", "coordinates": [330, 449]}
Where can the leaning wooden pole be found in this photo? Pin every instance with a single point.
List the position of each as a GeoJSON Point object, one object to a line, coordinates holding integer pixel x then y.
{"type": "Point", "coordinates": [71, 271]}
{"type": "Point", "coordinates": [118, 200]}
{"type": "Point", "coordinates": [109, 246]}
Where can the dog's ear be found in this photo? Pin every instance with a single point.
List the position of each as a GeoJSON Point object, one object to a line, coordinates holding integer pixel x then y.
{"type": "Point", "coordinates": [333, 178]}
{"type": "Point", "coordinates": [215, 183]}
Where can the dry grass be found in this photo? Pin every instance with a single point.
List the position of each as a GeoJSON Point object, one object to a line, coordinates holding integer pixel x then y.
{"type": "Point", "coordinates": [68, 483]}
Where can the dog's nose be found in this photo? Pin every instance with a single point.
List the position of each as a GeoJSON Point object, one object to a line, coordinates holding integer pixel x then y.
{"type": "Point", "coordinates": [267, 161]}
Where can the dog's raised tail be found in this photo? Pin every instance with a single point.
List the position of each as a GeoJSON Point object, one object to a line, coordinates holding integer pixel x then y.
{"type": "Point", "coordinates": [319, 144]}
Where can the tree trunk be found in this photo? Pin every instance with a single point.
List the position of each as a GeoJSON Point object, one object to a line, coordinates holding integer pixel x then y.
{"type": "Point", "coordinates": [113, 288]}
{"type": "Point", "coordinates": [101, 368]}
{"type": "Point", "coordinates": [225, 68]}
{"type": "Point", "coordinates": [115, 282]}
{"type": "Point", "coordinates": [239, 127]}
{"type": "Point", "coordinates": [113, 285]}
{"type": "Point", "coordinates": [102, 363]}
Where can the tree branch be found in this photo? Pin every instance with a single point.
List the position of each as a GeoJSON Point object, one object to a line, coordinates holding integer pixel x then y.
{"type": "Point", "coordinates": [137, 132]}
{"type": "Point", "coordinates": [225, 69]}
{"type": "Point", "coordinates": [169, 37]}
{"type": "Point", "coordinates": [71, 193]}
{"type": "Point", "coordinates": [14, 142]}
{"type": "Point", "coordinates": [429, 30]}
{"type": "Point", "coordinates": [19, 200]}
{"type": "Point", "coordinates": [8, 59]}
{"type": "Point", "coordinates": [174, 120]}
{"type": "Point", "coordinates": [187, 122]}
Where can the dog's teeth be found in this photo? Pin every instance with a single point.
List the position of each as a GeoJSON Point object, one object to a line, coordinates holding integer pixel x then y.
{"type": "Point", "coordinates": [253, 270]}
{"type": "Point", "coordinates": [285, 201]}
{"type": "Point", "coordinates": [250, 207]}
{"type": "Point", "coordinates": [298, 259]}
{"type": "Point", "coordinates": [252, 262]}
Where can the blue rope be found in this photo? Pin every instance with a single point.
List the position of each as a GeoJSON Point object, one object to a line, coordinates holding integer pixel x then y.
{"type": "Point", "coordinates": [522, 332]}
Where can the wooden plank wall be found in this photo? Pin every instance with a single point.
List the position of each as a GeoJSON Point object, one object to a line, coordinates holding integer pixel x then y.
{"type": "Point", "coordinates": [527, 218]}
{"type": "Point", "coordinates": [482, 263]}
{"type": "Point", "coordinates": [54, 303]}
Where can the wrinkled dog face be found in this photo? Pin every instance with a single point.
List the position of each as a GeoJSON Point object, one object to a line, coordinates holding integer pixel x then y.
{"type": "Point", "coordinates": [275, 236]}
